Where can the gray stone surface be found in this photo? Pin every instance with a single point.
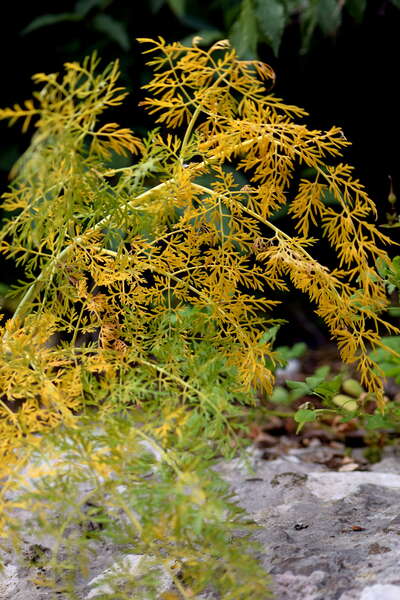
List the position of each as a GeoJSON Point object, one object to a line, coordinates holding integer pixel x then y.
{"type": "Point", "coordinates": [133, 564]}
{"type": "Point", "coordinates": [324, 535]}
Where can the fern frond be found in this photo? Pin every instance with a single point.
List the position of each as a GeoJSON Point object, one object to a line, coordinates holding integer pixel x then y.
{"type": "Point", "coordinates": [147, 305]}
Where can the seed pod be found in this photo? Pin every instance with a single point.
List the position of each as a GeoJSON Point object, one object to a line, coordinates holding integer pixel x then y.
{"type": "Point", "coordinates": [345, 402]}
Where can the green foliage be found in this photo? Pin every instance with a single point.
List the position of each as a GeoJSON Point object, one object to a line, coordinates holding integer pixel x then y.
{"type": "Point", "coordinates": [244, 31]}
{"type": "Point", "coordinates": [388, 357]}
{"type": "Point", "coordinates": [345, 393]}
{"type": "Point", "coordinates": [316, 384]}
{"type": "Point", "coordinates": [146, 311]}
{"type": "Point", "coordinates": [247, 22]}
{"type": "Point", "coordinates": [104, 23]}
{"type": "Point", "coordinates": [391, 274]}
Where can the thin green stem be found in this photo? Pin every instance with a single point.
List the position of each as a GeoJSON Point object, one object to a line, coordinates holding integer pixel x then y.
{"type": "Point", "coordinates": [188, 386]}
{"type": "Point", "coordinates": [189, 131]}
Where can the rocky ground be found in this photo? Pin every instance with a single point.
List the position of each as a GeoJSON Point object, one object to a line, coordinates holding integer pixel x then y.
{"type": "Point", "coordinates": [325, 534]}
{"type": "Point", "coordinates": [329, 520]}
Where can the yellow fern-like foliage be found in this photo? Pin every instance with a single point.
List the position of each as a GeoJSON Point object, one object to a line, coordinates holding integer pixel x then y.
{"type": "Point", "coordinates": [119, 254]}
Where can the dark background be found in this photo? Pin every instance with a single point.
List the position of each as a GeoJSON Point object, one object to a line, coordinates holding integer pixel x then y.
{"type": "Point", "coordinates": [348, 79]}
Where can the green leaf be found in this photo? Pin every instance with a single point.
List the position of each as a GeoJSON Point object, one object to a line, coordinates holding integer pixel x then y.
{"type": "Point", "coordinates": [296, 351]}
{"type": "Point", "coordinates": [280, 395]}
{"type": "Point", "coordinates": [396, 261]}
{"type": "Point", "coordinates": [329, 16]}
{"type": "Point", "coordinates": [396, 3]}
{"type": "Point", "coordinates": [303, 416]}
{"type": "Point", "coordinates": [269, 335]}
{"type": "Point", "coordinates": [272, 20]}
{"type": "Point", "coordinates": [177, 6]}
{"type": "Point", "coordinates": [382, 267]}
{"type": "Point", "coordinates": [319, 376]}
{"type": "Point", "coordinates": [327, 389]}
{"type": "Point", "coordinates": [299, 387]}
{"type": "Point", "coordinates": [329, 198]}
{"type": "Point", "coordinates": [244, 33]}
{"type": "Point", "coordinates": [50, 19]}
{"type": "Point", "coordinates": [376, 422]}
{"type": "Point", "coordinates": [114, 29]}
{"type": "Point", "coordinates": [356, 8]}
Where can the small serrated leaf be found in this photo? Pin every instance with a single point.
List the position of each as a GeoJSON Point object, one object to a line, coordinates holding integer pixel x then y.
{"type": "Point", "coordinates": [271, 19]}
{"type": "Point", "coordinates": [297, 350]}
{"type": "Point", "coordinates": [303, 416]}
{"type": "Point", "coordinates": [327, 389]}
{"type": "Point", "coordinates": [319, 376]}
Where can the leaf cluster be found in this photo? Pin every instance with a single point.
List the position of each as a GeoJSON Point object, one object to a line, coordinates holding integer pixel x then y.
{"type": "Point", "coordinates": [147, 310]}
{"type": "Point", "coordinates": [246, 22]}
